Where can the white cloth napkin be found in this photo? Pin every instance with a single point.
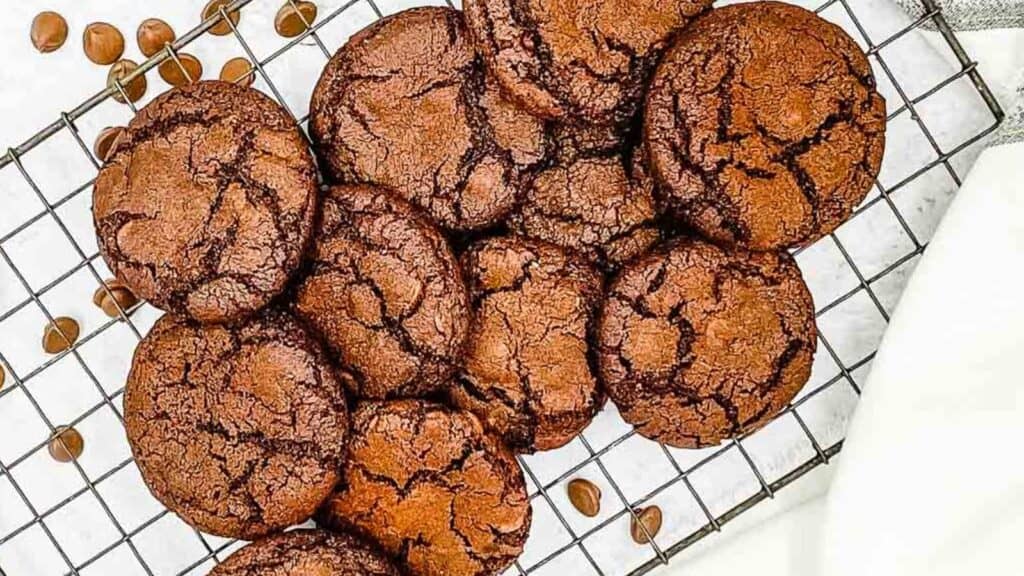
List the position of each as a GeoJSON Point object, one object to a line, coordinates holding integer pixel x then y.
{"type": "Point", "coordinates": [931, 480]}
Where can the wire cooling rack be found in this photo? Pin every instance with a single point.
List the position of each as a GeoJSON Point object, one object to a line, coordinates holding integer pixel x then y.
{"type": "Point", "coordinates": [94, 516]}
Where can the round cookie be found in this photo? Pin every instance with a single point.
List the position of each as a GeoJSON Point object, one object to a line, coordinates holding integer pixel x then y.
{"type": "Point", "coordinates": [240, 430]}
{"type": "Point", "coordinates": [207, 202]}
{"type": "Point", "coordinates": [405, 104]}
{"type": "Point", "coordinates": [585, 62]}
{"type": "Point", "coordinates": [597, 200]}
{"type": "Point", "coordinates": [432, 488]}
{"type": "Point", "coordinates": [697, 343]}
{"type": "Point", "coordinates": [385, 292]}
{"type": "Point", "coordinates": [527, 373]}
{"type": "Point", "coordinates": [763, 126]}
{"type": "Point", "coordinates": [307, 552]}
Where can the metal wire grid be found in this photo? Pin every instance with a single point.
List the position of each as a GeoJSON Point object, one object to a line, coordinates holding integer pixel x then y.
{"type": "Point", "coordinates": [660, 555]}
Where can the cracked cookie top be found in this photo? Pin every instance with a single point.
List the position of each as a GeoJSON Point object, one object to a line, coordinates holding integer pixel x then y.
{"type": "Point", "coordinates": [385, 292]}
{"type": "Point", "coordinates": [763, 126]}
{"type": "Point", "coordinates": [583, 61]}
{"type": "Point", "coordinates": [528, 372]}
{"type": "Point", "coordinates": [426, 483]}
{"type": "Point", "coordinates": [405, 104]}
{"type": "Point", "coordinates": [596, 198]}
{"type": "Point", "coordinates": [307, 553]}
{"type": "Point", "coordinates": [240, 430]}
{"type": "Point", "coordinates": [207, 202]}
{"type": "Point", "coordinates": [698, 343]}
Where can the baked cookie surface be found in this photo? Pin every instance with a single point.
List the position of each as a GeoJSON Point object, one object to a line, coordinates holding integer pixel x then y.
{"type": "Point", "coordinates": [763, 126]}
{"type": "Point", "coordinates": [207, 202]}
{"type": "Point", "coordinates": [698, 344]}
{"type": "Point", "coordinates": [579, 61]}
{"type": "Point", "coordinates": [239, 430]}
{"type": "Point", "coordinates": [307, 553]}
{"type": "Point", "coordinates": [405, 104]}
{"type": "Point", "coordinates": [385, 292]}
{"type": "Point", "coordinates": [596, 197]}
{"type": "Point", "coordinates": [432, 488]}
{"type": "Point", "coordinates": [527, 373]}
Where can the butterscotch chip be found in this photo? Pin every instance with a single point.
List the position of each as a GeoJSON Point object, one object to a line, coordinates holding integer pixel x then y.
{"type": "Point", "coordinates": [66, 444]}
{"type": "Point", "coordinates": [585, 496]}
{"type": "Point", "coordinates": [60, 335]}
{"type": "Point", "coordinates": [135, 88]}
{"type": "Point", "coordinates": [115, 295]}
{"type": "Point", "coordinates": [49, 31]}
{"type": "Point", "coordinates": [103, 43]}
{"type": "Point", "coordinates": [106, 142]}
{"type": "Point", "coordinates": [190, 70]}
{"type": "Point", "coordinates": [294, 20]}
{"type": "Point", "coordinates": [645, 525]}
{"type": "Point", "coordinates": [432, 488]}
{"type": "Point", "coordinates": [697, 343]}
{"type": "Point", "coordinates": [221, 28]}
{"type": "Point", "coordinates": [153, 35]}
{"type": "Point", "coordinates": [764, 126]}
{"type": "Point", "coordinates": [528, 373]}
{"type": "Point", "coordinates": [239, 429]}
{"type": "Point", "coordinates": [239, 71]}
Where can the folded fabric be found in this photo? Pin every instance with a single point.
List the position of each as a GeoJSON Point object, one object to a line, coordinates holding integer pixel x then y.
{"type": "Point", "coordinates": [973, 14]}
{"type": "Point", "coordinates": [931, 480]}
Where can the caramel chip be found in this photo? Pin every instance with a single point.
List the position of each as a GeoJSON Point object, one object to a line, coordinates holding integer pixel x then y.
{"type": "Point", "coordinates": [292, 20]}
{"type": "Point", "coordinates": [645, 525]}
{"type": "Point", "coordinates": [49, 31]}
{"type": "Point", "coordinates": [221, 28]}
{"type": "Point", "coordinates": [103, 43]}
{"type": "Point", "coordinates": [66, 444]}
{"type": "Point", "coordinates": [585, 496]}
{"type": "Point", "coordinates": [60, 335]}
{"type": "Point", "coordinates": [190, 70]}
{"type": "Point", "coordinates": [153, 35]}
{"type": "Point", "coordinates": [135, 89]}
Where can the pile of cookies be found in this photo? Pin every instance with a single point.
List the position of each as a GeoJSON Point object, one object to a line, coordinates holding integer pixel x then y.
{"type": "Point", "coordinates": [532, 206]}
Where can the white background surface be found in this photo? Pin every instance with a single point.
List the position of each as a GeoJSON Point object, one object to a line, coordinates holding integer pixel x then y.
{"type": "Point", "coordinates": [35, 88]}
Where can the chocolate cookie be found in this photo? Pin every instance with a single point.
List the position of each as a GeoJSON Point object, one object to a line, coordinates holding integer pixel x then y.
{"type": "Point", "coordinates": [386, 293]}
{"type": "Point", "coordinates": [527, 372]}
{"type": "Point", "coordinates": [583, 62]}
{"type": "Point", "coordinates": [405, 104]}
{"type": "Point", "coordinates": [426, 483]}
{"type": "Point", "coordinates": [763, 126]}
{"type": "Point", "coordinates": [596, 198]}
{"type": "Point", "coordinates": [698, 343]}
{"type": "Point", "coordinates": [307, 553]}
{"type": "Point", "coordinates": [207, 201]}
{"type": "Point", "coordinates": [240, 430]}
